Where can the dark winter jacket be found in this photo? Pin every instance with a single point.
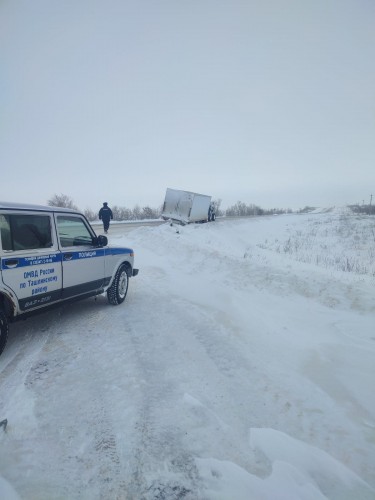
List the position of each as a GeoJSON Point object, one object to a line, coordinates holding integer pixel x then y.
{"type": "Point", "coordinates": [105, 214]}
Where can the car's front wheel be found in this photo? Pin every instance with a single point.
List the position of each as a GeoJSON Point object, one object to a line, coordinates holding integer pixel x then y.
{"type": "Point", "coordinates": [116, 293]}
{"type": "Point", "coordinates": [4, 328]}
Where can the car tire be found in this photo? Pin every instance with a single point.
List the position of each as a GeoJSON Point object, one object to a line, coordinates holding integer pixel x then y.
{"type": "Point", "coordinates": [116, 293]}
{"type": "Point", "coordinates": [4, 329]}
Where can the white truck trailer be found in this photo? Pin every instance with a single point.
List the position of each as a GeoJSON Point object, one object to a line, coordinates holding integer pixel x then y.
{"type": "Point", "coordinates": [186, 207]}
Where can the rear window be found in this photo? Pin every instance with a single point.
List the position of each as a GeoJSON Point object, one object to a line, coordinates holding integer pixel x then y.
{"type": "Point", "coordinates": [25, 232]}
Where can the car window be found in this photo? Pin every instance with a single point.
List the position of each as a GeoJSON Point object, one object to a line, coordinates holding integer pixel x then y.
{"type": "Point", "coordinates": [25, 232]}
{"type": "Point", "coordinates": [73, 231]}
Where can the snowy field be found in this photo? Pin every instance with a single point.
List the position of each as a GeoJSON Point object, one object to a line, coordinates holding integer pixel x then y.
{"type": "Point", "coordinates": [240, 367]}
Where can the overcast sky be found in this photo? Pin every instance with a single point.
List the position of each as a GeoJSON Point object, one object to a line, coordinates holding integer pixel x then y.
{"type": "Point", "coordinates": [269, 102]}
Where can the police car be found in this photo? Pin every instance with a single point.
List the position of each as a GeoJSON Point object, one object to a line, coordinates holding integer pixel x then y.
{"type": "Point", "coordinates": [51, 255]}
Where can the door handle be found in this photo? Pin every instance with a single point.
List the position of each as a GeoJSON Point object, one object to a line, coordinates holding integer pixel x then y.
{"type": "Point", "coordinates": [68, 256]}
{"type": "Point", "coordinates": [11, 263]}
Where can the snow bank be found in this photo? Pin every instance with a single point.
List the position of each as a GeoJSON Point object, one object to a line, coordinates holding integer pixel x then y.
{"type": "Point", "coordinates": [230, 326]}
{"type": "Point", "coordinates": [298, 472]}
{"type": "Point", "coordinates": [7, 492]}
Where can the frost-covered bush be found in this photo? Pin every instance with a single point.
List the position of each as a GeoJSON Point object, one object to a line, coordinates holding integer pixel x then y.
{"type": "Point", "coordinates": [344, 242]}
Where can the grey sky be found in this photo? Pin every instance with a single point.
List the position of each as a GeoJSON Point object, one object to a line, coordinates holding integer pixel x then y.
{"type": "Point", "coordinates": [269, 102]}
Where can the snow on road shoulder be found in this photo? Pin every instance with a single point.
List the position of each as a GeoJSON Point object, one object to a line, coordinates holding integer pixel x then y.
{"type": "Point", "coordinates": [299, 472]}
{"type": "Point", "coordinates": [310, 324]}
{"type": "Point", "coordinates": [236, 368]}
{"type": "Point", "coordinates": [7, 492]}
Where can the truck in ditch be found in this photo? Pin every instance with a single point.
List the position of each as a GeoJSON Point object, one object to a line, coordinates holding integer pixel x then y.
{"type": "Point", "coordinates": [186, 207]}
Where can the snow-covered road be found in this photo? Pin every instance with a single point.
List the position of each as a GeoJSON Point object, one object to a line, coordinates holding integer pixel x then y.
{"type": "Point", "coordinates": [241, 366]}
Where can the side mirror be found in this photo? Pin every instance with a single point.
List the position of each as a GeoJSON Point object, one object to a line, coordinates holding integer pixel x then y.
{"type": "Point", "coordinates": [101, 240]}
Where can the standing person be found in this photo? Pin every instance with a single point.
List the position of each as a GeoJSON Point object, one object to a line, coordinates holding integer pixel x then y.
{"type": "Point", "coordinates": [211, 213]}
{"type": "Point", "coordinates": [105, 214]}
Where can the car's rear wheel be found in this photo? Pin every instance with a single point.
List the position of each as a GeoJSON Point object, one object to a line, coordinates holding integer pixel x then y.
{"type": "Point", "coordinates": [4, 329]}
{"type": "Point", "coordinates": [116, 293]}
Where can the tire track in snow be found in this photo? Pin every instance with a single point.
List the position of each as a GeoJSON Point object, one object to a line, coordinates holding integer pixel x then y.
{"type": "Point", "coordinates": [77, 434]}
{"type": "Point", "coordinates": [161, 468]}
{"type": "Point", "coordinates": [219, 377]}
{"type": "Point", "coordinates": [97, 450]}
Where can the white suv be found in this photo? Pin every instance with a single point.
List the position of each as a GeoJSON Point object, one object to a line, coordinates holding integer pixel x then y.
{"type": "Point", "coordinates": [50, 255]}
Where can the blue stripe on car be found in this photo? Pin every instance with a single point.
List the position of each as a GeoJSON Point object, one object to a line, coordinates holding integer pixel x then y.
{"type": "Point", "coordinates": [35, 260]}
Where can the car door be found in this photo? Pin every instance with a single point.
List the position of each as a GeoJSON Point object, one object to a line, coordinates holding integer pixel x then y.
{"type": "Point", "coordinates": [31, 260]}
{"type": "Point", "coordinates": [82, 260]}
